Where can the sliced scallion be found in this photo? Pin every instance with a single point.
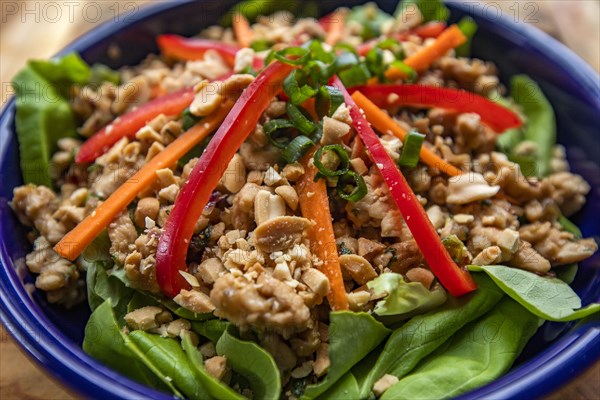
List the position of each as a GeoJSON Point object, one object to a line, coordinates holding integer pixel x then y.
{"type": "Point", "coordinates": [406, 69]}
{"type": "Point", "coordinates": [275, 130]}
{"type": "Point", "coordinates": [411, 149]}
{"type": "Point", "coordinates": [356, 75]}
{"type": "Point", "coordinates": [296, 88]}
{"type": "Point", "coordinates": [298, 118]}
{"type": "Point", "coordinates": [340, 152]}
{"type": "Point", "coordinates": [328, 99]}
{"type": "Point", "coordinates": [290, 55]}
{"type": "Point", "coordinates": [359, 187]}
{"type": "Point", "coordinates": [297, 148]}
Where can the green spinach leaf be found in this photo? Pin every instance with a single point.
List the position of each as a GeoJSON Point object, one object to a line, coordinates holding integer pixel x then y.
{"type": "Point", "coordinates": [105, 341]}
{"type": "Point", "coordinates": [479, 353]}
{"type": "Point", "coordinates": [422, 334]}
{"type": "Point", "coordinates": [214, 387]}
{"type": "Point", "coordinates": [43, 112]}
{"type": "Point", "coordinates": [167, 356]}
{"type": "Point", "coordinates": [539, 127]}
{"type": "Point", "coordinates": [351, 337]}
{"type": "Point", "coordinates": [548, 298]}
{"type": "Point", "coordinates": [404, 299]}
{"type": "Point", "coordinates": [212, 329]}
{"type": "Point", "coordinates": [253, 363]}
{"type": "Point", "coordinates": [344, 389]}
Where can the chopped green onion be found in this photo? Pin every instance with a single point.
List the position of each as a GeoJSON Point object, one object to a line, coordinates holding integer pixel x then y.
{"type": "Point", "coordinates": [300, 56]}
{"type": "Point", "coordinates": [392, 45]}
{"type": "Point", "coordinates": [188, 119]}
{"type": "Point", "coordinates": [406, 69]}
{"type": "Point", "coordinates": [318, 52]}
{"type": "Point", "coordinates": [341, 153]}
{"type": "Point", "coordinates": [468, 27]}
{"type": "Point", "coordinates": [297, 148]}
{"type": "Point", "coordinates": [358, 192]}
{"type": "Point", "coordinates": [345, 47]}
{"type": "Point", "coordinates": [296, 88]}
{"type": "Point", "coordinates": [569, 226]}
{"type": "Point", "coordinates": [279, 127]}
{"type": "Point", "coordinates": [328, 99]}
{"type": "Point", "coordinates": [344, 61]}
{"type": "Point", "coordinates": [374, 61]}
{"type": "Point", "coordinates": [411, 149]}
{"type": "Point", "coordinates": [299, 120]}
{"type": "Point", "coordinates": [261, 45]}
{"type": "Point", "coordinates": [355, 75]}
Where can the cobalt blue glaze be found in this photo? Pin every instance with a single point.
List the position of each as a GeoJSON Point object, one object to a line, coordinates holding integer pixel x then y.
{"type": "Point", "coordinates": [558, 352]}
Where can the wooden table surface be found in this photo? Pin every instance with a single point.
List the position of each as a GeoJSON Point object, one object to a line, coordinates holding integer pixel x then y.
{"type": "Point", "coordinates": [37, 29]}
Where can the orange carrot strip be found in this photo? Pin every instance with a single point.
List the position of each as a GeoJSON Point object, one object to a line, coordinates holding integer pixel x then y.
{"type": "Point", "coordinates": [314, 204]}
{"type": "Point", "coordinates": [243, 31]}
{"type": "Point", "coordinates": [420, 61]}
{"type": "Point", "coordinates": [83, 234]}
{"type": "Point", "coordinates": [384, 123]}
{"type": "Point", "coordinates": [336, 27]}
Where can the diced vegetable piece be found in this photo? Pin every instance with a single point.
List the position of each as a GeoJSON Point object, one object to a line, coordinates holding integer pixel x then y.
{"type": "Point", "coordinates": [243, 31]}
{"type": "Point", "coordinates": [422, 59]}
{"type": "Point", "coordinates": [314, 204]}
{"type": "Point", "coordinates": [385, 123]}
{"type": "Point", "coordinates": [83, 234]}
{"type": "Point", "coordinates": [127, 125]}
{"type": "Point", "coordinates": [458, 282]}
{"type": "Point", "coordinates": [411, 149]}
{"type": "Point", "coordinates": [174, 242]}
{"type": "Point", "coordinates": [494, 115]}
{"type": "Point", "coordinates": [468, 27]}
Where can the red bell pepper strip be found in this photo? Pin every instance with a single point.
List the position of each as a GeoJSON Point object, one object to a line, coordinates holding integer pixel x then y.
{"type": "Point", "coordinates": [431, 29]}
{"type": "Point", "coordinates": [174, 242]}
{"type": "Point", "coordinates": [188, 49]}
{"type": "Point", "coordinates": [494, 115]}
{"type": "Point", "coordinates": [458, 282]}
{"type": "Point", "coordinates": [183, 48]}
{"type": "Point", "coordinates": [127, 125]}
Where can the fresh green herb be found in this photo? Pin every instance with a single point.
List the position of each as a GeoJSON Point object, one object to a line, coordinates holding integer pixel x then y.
{"type": "Point", "coordinates": [319, 53]}
{"type": "Point", "coordinates": [252, 9]}
{"type": "Point", "coordinates": [410, 73]}
{"type": "Point", "coordinates": [431, 10]}
{"type": "Point", "coordinates": [355, 75]}
{"type": "Point", "coordinates": [351, 337]}
{"type": "Point", "coordinates": [548, 298]}
{"type": "Point", "coordinates": [411, 149]}
{"type": "Point", "coordinates": [290, 55]}
{"type": "Point", "coordinates": [478, 354]}
{"type": "Point", "coordinates": [392, 45]}
{"type": "Point", "coordinates": [422, 334]}
{"type": "Point", "coordinates": [328, 100]}
{"type": "Point", "coordinates": [370, 17]}
{"type": "Point", "coordinates": [342, 155]}
{"type": "Point", "coordinates": [252, 362]}
{"type": "Point", "coordinates": [468, 27]}
{"type": "Point", "coordinates": [296, 87]}
{"type": "Point", "coordinates": [353, 191]}
{"type": "Point", "coordinates": [43, 112]}
{"type": "Point", "coordinates": [403, 299]}
{"type": "Point", "coordinates": [297, 148]}
{"type": "Point", "coordinates": [261, 45]}
{"type": "Point", "coordinates": [188, 119]}
{"type": "Point", "coordinates": [276, 131]}
{"type": "Point", "coordinates": [297, 116]}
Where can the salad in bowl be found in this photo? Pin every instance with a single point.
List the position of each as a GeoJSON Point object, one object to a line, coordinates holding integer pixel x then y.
{"type": "Point", "coordinates": [291, 207]}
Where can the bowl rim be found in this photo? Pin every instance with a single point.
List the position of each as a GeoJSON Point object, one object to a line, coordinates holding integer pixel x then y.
{"type": "Point", "coordinates": [66, 361]}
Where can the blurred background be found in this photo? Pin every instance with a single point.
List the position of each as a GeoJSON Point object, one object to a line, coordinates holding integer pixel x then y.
{"type": "Point", "coordinates": [38, 29]}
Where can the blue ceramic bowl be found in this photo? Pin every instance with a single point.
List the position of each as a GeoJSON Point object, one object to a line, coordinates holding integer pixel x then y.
{"type": "Point", "coordinates": [53, 336]}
